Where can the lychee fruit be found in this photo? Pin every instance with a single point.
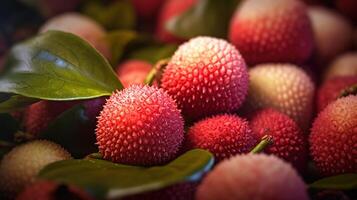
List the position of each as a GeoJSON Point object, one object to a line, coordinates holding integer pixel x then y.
{"type": "Point", "coordinates": [47, 190]}
{"type": "Point", "coordinates": [253, 176]}
{"type": "Point", "coordinates": [344, 65]}
{"type": "Point", "coordinates": [332, 89]}
{"type": "Point", "coordinates": [169, 10]}
{"type": "Point", "coordinates": [283, 87]}
{"type": "Point", "coordinates": [272, 31]}
{"type": "Point", "coordinates": [20, 166]}
{"type": "Point", "coordinates": [329, 26]}
{"type": "Point", "coordinates": [223, 135]}
{"type": "Point", "coordinates": [333, 138]}
{"type": "Point", "coordinates": [133, 72]}
{"type": "Point", "coordinates": [206, 76]}
{"type": "Point", "coordinates": [140, 125]}
{"type": "Point", "coordinates": [289, 142]}
{"type": "Point", "coordinates": [82, 26]}
{"type": "Point", "coordinates": [148, 8]}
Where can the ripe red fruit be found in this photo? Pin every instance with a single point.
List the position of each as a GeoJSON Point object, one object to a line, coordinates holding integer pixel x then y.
{"type": "Point", "coordinates": [223, 135]}
{"type": "Point", "coordinates": [289, 142]}
{"type": "Point", "coordinates": [272, 31]}
{"type": "Point", "coordinates": [332, 89]}
{"type": "Point", "coordinates": [169, 10]}
{"type": "Point", "coordinates": [140, 125]}
{"type": "Point", "coordinates": [47, 190]}
{"type": "Point", "coordinates": [206, 76]}
{"type": "Point", "coordinates": [133, 72]}
{"type": "Point", "coordinates": [333, 138]}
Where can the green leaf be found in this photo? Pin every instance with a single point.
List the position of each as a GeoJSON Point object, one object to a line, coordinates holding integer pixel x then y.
{"type": "Point", "coordinates": [10, 102]}
{"type": "Point", "coordinates": [57, 66]}
{"type": "Point", "coordinates": [340, 182]}
{"type": "Point", "coordinates": [153, 53]}
{"type": "Point", "coordinates": [115, 15]}
{"type": "Point", "coordinates": [207, 17]}
{"type": "Point", "coordinates": [109, 180]}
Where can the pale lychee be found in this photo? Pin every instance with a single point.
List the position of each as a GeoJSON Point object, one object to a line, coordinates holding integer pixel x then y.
{"type": "Point", "coordinates": [206, 76]}
{"type": "Point", "coordinates": [133, 72]}
{"type": "Point", "coordinates": [20, 166]}
{"type": "Point", "coordinates": [284, 87]}
{"type": "Point", "coordinates": [333, 138]}
{"type": "Point", "coordinates": [272, 31]}
{"type": "Point", "coordinates": [344, 65]}
{"type": "Point", "coordinates": [140, 125]}
{"type": "Point", "coordinates": [253, 176]}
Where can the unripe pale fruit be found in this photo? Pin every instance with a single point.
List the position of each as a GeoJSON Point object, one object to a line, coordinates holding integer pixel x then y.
{"type": "Point", "coordinates": [133, 72]}
{"type": "Point", "coordinates": [289, 142]}
{"type": "Point", "coordinates": [223, 135]}
{"type": "Point", "coordinates": [140, 125]}
{"type": "Point", "coordinates": [333, 138]}
{"type": "Point", "coordinates": [329, 26]}
{"type": "Point", "coordinates": [20, 166]}
{"type": "Point", "coordinates": [81, 26]}
{"type": "Point", "coordinates": [272, 31]}
{"type": "Point", "coordinates": [252, 176]}
{"type": "Point", "coordinates": [344, 65]}
{"type": "Point", "coordinates": [206, 76]}
{"type": "Point", "coordinates": [284, 87]}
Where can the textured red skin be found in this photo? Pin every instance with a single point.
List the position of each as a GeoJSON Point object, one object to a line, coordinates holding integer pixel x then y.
{"type": "Point", "coordinates": [272, 31]}
{"type": "Point", "coordinates": [289, 142]}
{"type": "Point", "coordinates": [223, 135]}
{"type": "Point", "coordinates": [206, 76]}
{"type": "Point", "coordinates": [348, 8]}
{"type": "Point", "coordinates": [332, 89]}
{"type": "Point", "coordinates": [147, 9]}
{"type": "Point", "coordinates": [46, 190]}
{"type": "Point", "coordinates": [133, 72]}
{"type": "Point", "coordinates": [170, 9]}
{"type": "Point", "coordinates": [333, 138]}
{"type": "Point", "coordinates": [140, 125]}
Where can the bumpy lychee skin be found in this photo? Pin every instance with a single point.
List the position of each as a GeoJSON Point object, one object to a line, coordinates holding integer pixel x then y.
{"type": "Point", "coordinates": [133, 72]}
{"type": "Point", "coordinates": [169, 10]}
{"type": "Point", "coordinates": [223, 135]}
{"type": "Point", "coordinates": [344, 65]}
{"type": "Point", "coordinates": [20, 166]}
{"type": "Point", "coordinates": [206, 76]}
{"type": "Point", "coordinates": [253, 176]}
{"type": "Point", "coordinates": [283, 87]}
{"type": "Point", "coordinates": [140, 125]}
{"type": "Point", "coordinates": [81, 26]}
{"type": "Point", "coordinates": [47, 190]}
{"type": "Point", "coordinates": [329, 26]}
{"type": "Point", "coordinates": [333, 138]}
{"type": "Point", "coordinates": [272, 31]}
{"type": "Point", "coordinates": [289, 143]}
{"type": "Point", "coordinates": [332, 89]}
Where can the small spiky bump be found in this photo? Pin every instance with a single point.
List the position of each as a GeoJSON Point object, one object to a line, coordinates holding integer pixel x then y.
{"type": "Point", "coordinates": [223, 135]}
{"type": "Point", "coordinates": [283, 87]}
{"type": "Point", "coordinates": [20, 166]}
{"type": "Point", "coordinates": [333, 138]}
{"type": "Point", "coordinates": [289, 142]}
{"type": "Point", "coordinates": [206, 76]}
{"type": "Point", "coordinates": [252, 176]}
{"type": "Point", "coordinates": [332, 89]}
{"type": "Point", "coordinates": [133, 72]}
{"type": "Point", "coordinates": [140, 125]}
{"type": "Point", "coordinates": [272, 31]}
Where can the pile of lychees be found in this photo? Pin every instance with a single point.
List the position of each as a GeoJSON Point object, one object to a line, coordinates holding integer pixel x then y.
{"type": "Point", "coordinates": [284, 71]}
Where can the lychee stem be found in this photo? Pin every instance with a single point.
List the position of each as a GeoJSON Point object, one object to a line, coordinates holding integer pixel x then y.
{"type": "Point", "coordinates": [94, 156]}
{"type": "Point", "coordinates": [154, 72]}
{"type": "Point", "coordinates": [349, 91]}
{"type": "Point", "coordinates": [23, 136]}
{"type": "Point", "coordinates": [264, 143]}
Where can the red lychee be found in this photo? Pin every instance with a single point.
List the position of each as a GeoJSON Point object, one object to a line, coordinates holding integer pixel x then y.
{"type": "Point", "coordinates": [289, 142]}
{"type": "Point", "coordinates": [147, 9]}
{"type": "Point", "coordinates": [140, 125]}
{"type": "Point", "coordinates": [272, 31]}
{"type": "Point", "coordinates": [223, 135]}
{"type": "Point", "coordinates": [333, 138]}
{"type": "Point", "coordinates": [252, 176]}
{"type": "Point", "coordinates": [169, 10]}
{"type": "Point", "coordinates": [332, 89]}
{"type": "Point", "coordinates": [206, 76]}
{"type": "Point", "coordinates": [47, 190]}
{"type": "Point", "coordinates": [133, 72]}
{"type": "Point", "coordinates": [344, 65]}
